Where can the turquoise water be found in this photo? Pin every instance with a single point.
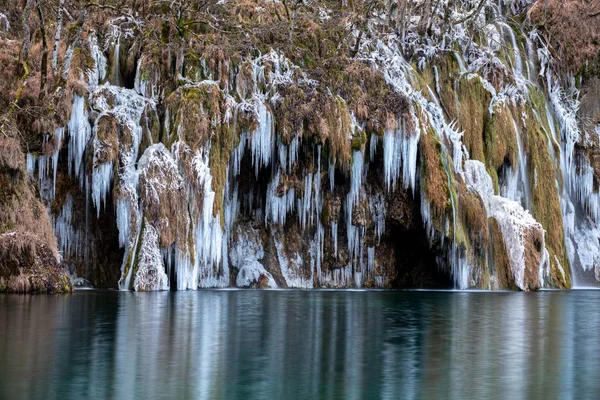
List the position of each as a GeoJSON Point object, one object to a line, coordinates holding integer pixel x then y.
{"type": "Point", "coordinates": [300, 344]}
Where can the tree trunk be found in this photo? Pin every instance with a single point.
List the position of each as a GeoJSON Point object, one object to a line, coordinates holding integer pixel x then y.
{"type": "Point", "coordinates": [59, 22]}
{"type": "Point", "coordinates": [44, 69]}
{"type": "Point", "coordinates": [26, 31]}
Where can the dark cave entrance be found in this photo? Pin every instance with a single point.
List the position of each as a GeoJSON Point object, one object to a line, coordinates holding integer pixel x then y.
{"type": "Point", "coordinates": [416, 264]}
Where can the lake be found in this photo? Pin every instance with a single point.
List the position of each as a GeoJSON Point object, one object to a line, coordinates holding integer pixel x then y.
{"type": "Point", "coordinates": [300, 344]}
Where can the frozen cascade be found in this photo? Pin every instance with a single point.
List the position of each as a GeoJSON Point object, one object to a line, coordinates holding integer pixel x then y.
{"type": "Point", "coordinates": [291, 267]}
{"type": "Point", "coordinates": [399, 147]}
{"type": "Point", "coordinates": [582, 233]}
{"type": "Point", "coordinates": [98, 73]}
{"type": "Point", "coordinates": [261, 141]}
{"type": "Point", "coordinates": [334, 237]}
{"type": "Point", "coordinates": [116, 56]}
{"type": "Point", "coordinates": [400, 150]}
{"type": "Point", "coordinates": [513, 219]}
{"type": "Point", "coordinates": [58, 135]}
{"type": "Point", "coordinates": [288, 155]}
{"type": "Point", "coordinates": [124, 220]}
{"type": "Point", "coordinates": [79, 132]}
{"type": "Point", "coordinates": [244, 255]}
{"type": "Point", "coordinates": [355, 233]}
{"type": "Point", "coordinates": [518, 63]}
{"type": "Point", "coordinates": [305, 203]}
{"type": "Point", "coordinates": [102, 177]}
{"type": "Point", "coordinates": [331, 175]}
{"type": "Point", "coordinates": [31, 160]}
{"type": "Point", "coordinates": [517, 185]}
{"type": "Point", "coordinates": [69, 239]}
{"type": "Point", "coordinates": [278, 207]}
{"type": "Point", "coordinates": [151, 271]}
{"type": "Point", "coordinates": [142, 85]}
{"type": "Point", "coordinates": [209, 234]}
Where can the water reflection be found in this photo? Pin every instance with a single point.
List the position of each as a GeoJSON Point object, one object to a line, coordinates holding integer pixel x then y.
{"type": "Point", "coordinates": [300, 344]}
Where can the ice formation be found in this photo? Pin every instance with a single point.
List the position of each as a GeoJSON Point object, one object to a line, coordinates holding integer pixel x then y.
{"type": "Point", "coordinates": [293, 191]}
{"type": "Point", "coordinates": [151, 272]}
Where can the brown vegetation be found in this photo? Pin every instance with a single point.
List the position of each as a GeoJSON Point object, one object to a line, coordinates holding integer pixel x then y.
{"type": "Point", "coordinates": [572, 28]}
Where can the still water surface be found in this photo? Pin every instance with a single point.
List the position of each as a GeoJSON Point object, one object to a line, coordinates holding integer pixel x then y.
{"type": "Point", "coordinates": [300, 344]}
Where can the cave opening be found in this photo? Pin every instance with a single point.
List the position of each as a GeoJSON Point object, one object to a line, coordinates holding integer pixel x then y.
{"type": "Point", "coordinates": [416, 266]}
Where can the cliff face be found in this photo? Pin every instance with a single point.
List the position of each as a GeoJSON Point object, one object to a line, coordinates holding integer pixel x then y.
{"type": "Point", "coordinates": [319, 144]}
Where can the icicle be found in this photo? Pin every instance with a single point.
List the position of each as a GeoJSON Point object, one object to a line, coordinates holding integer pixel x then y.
{"type": "Point", "coordinates": [331, 174]}
{"type": "Point", "coordinates": [116, 57]}
{"type": "Point", "coordinates": [58, 134]}
{"type": "Point", "coordinates": [277, 207]}
{"type": "Point", "coordinates": [69, 240]}
{"type": "Point", "coordinates": [31, 160]}
{"type": "Point", "coordinates": [377, 209]}
{"type": "Point", "coordinates": [355, 234]}
{"type": "Point", "coordinates": [261, 140]}
{"type": "Point", "coordinates": [334, 237]}
{"type": "Point", "coordinates": [102, 177]}
{"type": "Point", "coordinates": [98, 73]}
{"type": "Point", "coordinates": [79, 131]}
{"type": "Point", "coordinates": [209, 234]}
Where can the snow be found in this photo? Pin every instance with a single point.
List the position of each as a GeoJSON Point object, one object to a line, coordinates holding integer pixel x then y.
{"type": "Point", "coordinates": [209, 267]}
{"type": "Point", "coordinates": [513, 219]}
{"type": "Point", "coordinates": [4, 21]}
{"type": "Point", "coordinates": [151, 270]}
{"type": "Point", "coordinates": [292, 266]}
{"type": "Point", "coordinates": [98, 73]}
{"type": "Point", "coordinates": [244, 255]}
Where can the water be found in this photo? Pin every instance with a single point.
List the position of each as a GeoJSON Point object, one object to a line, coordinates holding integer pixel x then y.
{"type": "Point", "coordinates": [300, 344]}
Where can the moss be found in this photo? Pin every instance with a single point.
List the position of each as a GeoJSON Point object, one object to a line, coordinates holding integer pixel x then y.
{"type": "Point", "coordinates": [545, 196]}
{"type": "Point", "coordinates": [194, 113]}
{"type": "Point", "coordinates": [359, 138]}
{"type": "Point", "coordinates": [500, 141]}
{"type": "Point", "coordinates": [499, 257]}
{"type": "Point", "coordinates": [473, 99]}
{"type": "Point", "coordinates": [448, 78]}
{"type": "Point", "coordinates": [108, 136]}
{"type": "Point", "coordinates": [473, 216]}
{"type": "Point", "coordinates": [221, 147]}
{"type": "Point", "coordinates": [434, 179]}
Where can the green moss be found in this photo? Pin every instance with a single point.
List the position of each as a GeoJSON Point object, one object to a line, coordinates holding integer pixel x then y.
{"type": "Point", "coordinates": [222, 145]}
{"type": "Point", "coordinates": [499, 257]}
{"type": "Point", "coordinates": [473, 115]}
{"type": "Point", "coordinates": [545, 196]}
{"type": "Point", "coordinates": [359, 138]}
{"type": "Point", "coordinates": [499, 140]}
{"type": "Point", "coordinates": [434, 179]}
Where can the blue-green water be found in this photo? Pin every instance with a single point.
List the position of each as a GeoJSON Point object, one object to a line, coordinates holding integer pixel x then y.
{"type": "Point", "coordinates": [300, 344]}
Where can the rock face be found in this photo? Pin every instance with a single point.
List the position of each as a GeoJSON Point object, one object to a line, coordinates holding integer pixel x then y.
{"type": "Point", "coordinates": [401, 154]}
